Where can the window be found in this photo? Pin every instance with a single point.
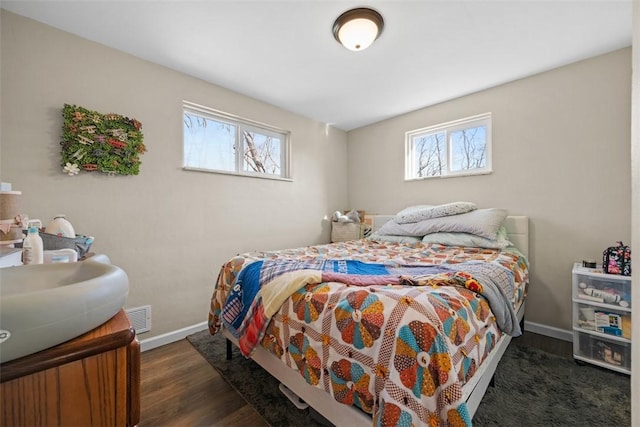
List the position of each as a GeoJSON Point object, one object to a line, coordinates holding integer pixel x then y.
{"type": "Point", "coordinates": [462, 147]}
{"type": "Point", "coordinates": [219, 142]}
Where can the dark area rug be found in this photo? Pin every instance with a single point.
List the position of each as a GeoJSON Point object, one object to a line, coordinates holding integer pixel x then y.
{"type": "Point", "coordinates": [533, 388]}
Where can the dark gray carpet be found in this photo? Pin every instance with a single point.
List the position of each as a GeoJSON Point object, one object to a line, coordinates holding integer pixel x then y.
{"type": "Point", "coordinates": [533, 388]}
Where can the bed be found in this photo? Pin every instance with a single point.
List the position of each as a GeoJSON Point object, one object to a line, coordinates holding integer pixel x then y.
{"type": "Point", "coordinates": [378, 331]}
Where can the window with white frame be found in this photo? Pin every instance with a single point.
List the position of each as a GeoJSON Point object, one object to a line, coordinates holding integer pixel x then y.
{"type": "Point", "coordinates": [219, 142]}
{"type": "Point", "coordinates": [461, 147]}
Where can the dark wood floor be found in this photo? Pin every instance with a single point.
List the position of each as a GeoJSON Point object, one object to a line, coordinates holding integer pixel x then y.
{"type": "Point", "coordinates": [180, 388]}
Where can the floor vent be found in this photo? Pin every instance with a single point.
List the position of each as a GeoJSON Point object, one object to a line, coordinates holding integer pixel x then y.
{"type": "Point", "coordinates": [140, 318]}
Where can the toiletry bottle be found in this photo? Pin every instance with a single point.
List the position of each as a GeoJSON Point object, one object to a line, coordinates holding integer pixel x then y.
{"type": "Point", "coordinates": [32, 248]}
{"type": "Point", "coordinates": [60, 227]}
{"type": "Point", "coordinates": [60, 255]}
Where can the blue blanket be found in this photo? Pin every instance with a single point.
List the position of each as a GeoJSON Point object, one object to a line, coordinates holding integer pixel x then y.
{"type": "Point", "coordinates": [257, 274]}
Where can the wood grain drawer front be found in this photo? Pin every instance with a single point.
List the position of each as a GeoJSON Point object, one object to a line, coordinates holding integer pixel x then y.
{"type": "Point", "coordinates": [87, 392]}
{"type": "Point", "coordinates": [92, 380]}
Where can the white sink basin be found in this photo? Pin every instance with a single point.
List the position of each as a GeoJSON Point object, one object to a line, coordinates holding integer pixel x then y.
{"type": "Point", "coordinates": [44, 305]}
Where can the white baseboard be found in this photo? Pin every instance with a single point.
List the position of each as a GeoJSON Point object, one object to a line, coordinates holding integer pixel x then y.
{"type": "Point", "coordinates": [172, 336]}
{"type": "Point", "coordinates": [549, 331]}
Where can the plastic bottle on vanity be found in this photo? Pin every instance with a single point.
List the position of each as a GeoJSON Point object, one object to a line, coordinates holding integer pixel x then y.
{"type": "Point", "coordinates": [32, 248]}
{"type": "Point", "coordinates": [60, 227]}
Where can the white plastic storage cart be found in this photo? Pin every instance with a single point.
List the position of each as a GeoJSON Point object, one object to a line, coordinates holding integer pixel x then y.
{"type": "Point", "coordinates": [601, 318]}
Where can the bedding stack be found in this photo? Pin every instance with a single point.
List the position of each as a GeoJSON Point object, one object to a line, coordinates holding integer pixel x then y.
{"type": "Point", "coordinates": [451, 224]}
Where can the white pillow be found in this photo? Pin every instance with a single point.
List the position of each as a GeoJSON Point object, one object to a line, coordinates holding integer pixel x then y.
{"type": "Point", "coordinates": [422, 212]}
{"type": "Point", "coordinates": [469, 240]}
{"type": "Point", "coordinates": [412, 209]}
{"type": "Point", "coordinates": [481, 222]}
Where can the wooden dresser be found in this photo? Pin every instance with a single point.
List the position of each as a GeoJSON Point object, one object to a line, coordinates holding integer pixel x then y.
{"type": "Point", "coordinates": [92, 380]}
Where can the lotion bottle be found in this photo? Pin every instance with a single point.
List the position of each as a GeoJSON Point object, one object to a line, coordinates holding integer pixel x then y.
{"type": "Point", "coordinates": [32, 248]}
{"type": "Point", "coordinates": [60, 227]}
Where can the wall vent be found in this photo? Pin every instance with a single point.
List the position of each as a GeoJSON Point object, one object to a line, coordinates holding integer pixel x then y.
{"type": "Point", "coordinates": [140, 318]}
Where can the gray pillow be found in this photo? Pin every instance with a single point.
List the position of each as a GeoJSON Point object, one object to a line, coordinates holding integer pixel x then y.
{"type": "Point", "coordinates": [481, 222]}
{"type": "Point", "coordinates": [394, 239]}
{"type": "Point", "coordinates": [420, 213]}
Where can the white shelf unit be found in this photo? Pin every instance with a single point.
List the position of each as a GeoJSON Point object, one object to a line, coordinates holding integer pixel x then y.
{"type": "Point", "coordinates": [601, 318]}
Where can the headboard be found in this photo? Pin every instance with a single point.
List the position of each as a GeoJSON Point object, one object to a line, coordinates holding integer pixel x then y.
{"type": "Point", "coordinates": [517, 229]}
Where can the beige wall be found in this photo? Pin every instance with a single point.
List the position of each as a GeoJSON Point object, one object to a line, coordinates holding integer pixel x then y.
{"type": "Point", "coordinates": [560, 156]}
{"type": "Point", "coordinates": [169, 229]}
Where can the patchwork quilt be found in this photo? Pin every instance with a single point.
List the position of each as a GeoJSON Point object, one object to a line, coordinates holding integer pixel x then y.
{"type": "Point", "coordinates": [394, 329]}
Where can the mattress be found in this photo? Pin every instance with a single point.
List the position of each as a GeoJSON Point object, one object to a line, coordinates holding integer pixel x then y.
{"type": "Point", "coordinates": [394, 329]}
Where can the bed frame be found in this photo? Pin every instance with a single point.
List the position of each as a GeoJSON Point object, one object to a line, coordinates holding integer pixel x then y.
{"type": "Point", "coordinates": [339, 414]}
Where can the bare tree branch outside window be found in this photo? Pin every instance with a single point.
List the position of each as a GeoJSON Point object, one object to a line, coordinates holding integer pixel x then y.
{"type": "Point", "coordinates": [460, 146]}
{"type": "Point", "coordinates": [261, 153]}
{"type": "Point", "coordinates": [251, 156]}
{"type": "Point", "coordinates": [219, 142]}
{"type": "Point", "coordinates": [430, 152]}
{"type": "Point", "coordinates": [207, 143]}
{"type": "Point", "coordinates": [469, 149]}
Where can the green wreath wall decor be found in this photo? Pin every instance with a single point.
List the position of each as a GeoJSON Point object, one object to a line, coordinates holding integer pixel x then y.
{"type": "Point", "coordinates": [108, 143]}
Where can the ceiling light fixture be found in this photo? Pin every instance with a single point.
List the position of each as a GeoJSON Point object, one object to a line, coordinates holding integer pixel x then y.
{"type": "Point", "coordinates": [357, 28]}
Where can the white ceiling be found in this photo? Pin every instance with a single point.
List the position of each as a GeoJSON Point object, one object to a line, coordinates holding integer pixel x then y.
{"type": "Point", "coordinates": [284, 53]}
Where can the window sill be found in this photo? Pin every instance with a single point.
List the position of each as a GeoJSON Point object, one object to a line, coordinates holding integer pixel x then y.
{"type": "Point", "coordinates": [451, 175]}
{"type": "Point", "coordinates": [246, 175]}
